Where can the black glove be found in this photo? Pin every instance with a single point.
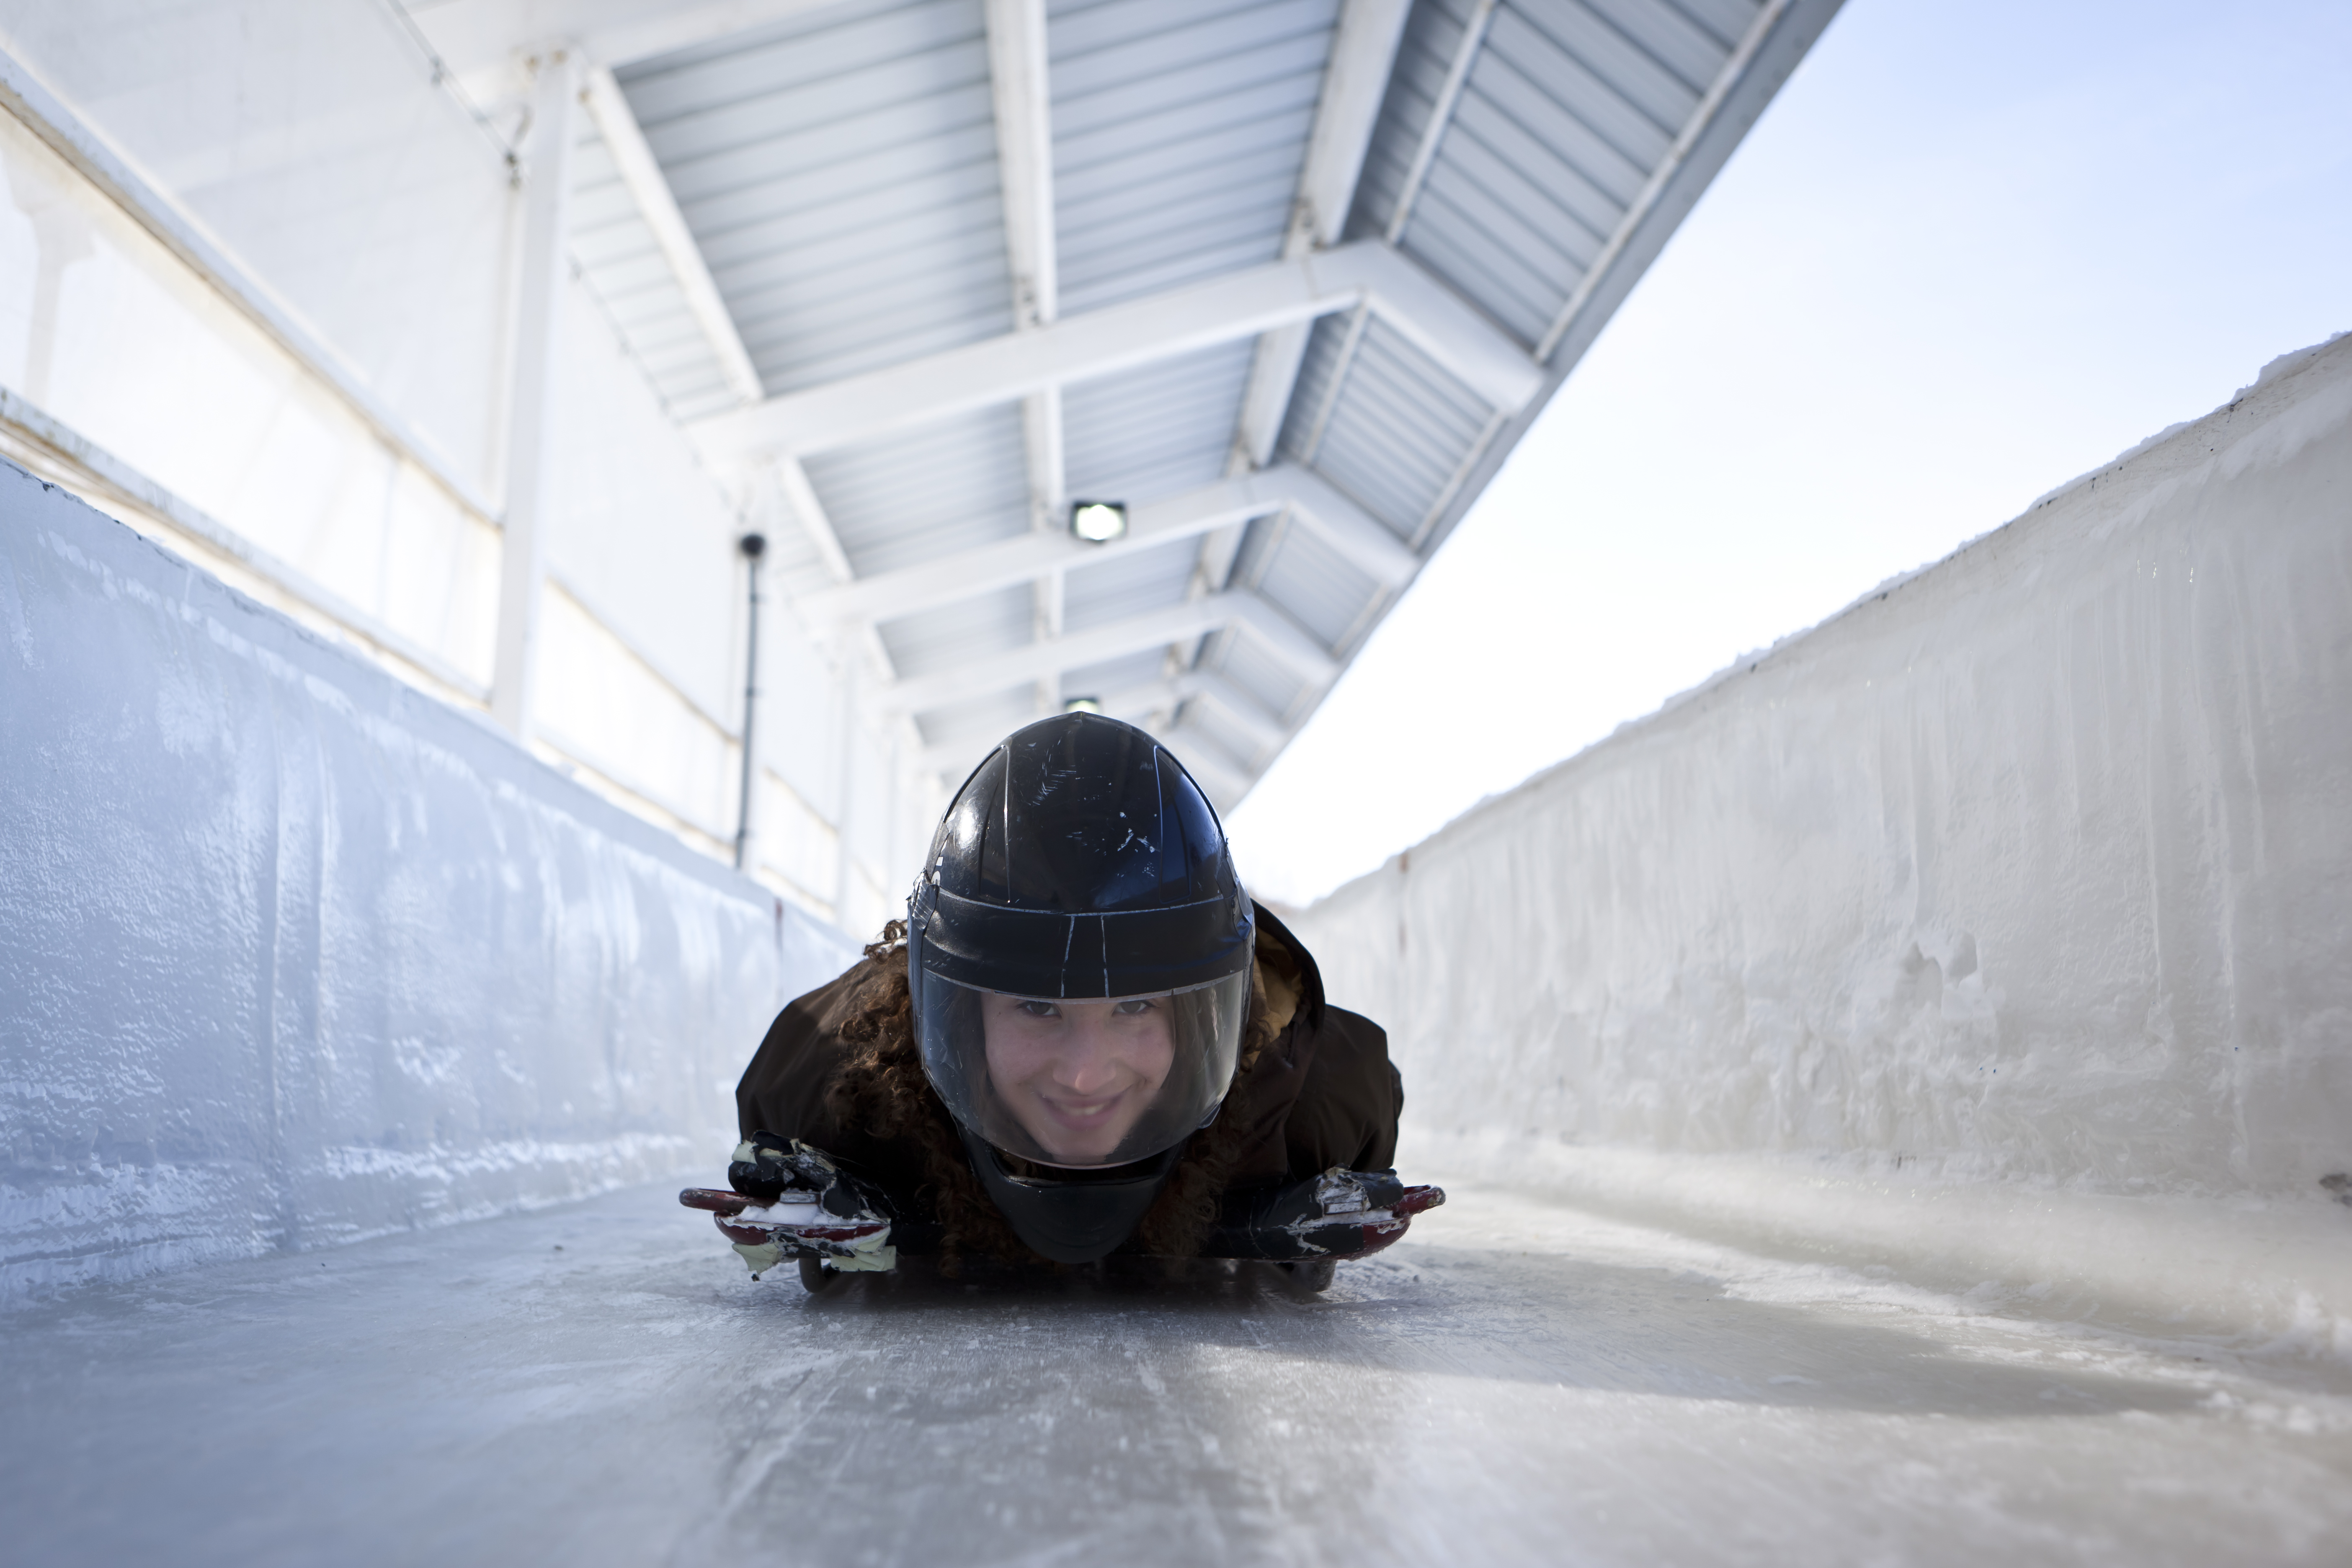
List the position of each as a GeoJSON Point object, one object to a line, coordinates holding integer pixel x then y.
{"type": "Point", "coordinates": [765, 1165]}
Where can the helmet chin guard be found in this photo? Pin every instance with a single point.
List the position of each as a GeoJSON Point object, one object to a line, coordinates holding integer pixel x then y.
{"type": "Point", "coordinates": [1071, 1222]}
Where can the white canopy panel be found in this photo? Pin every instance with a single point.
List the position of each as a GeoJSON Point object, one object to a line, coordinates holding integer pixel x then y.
{"type": "Point", "coordinates": [924, 272]}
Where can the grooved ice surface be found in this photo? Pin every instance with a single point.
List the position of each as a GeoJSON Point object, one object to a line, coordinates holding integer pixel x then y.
{"type": "Point", "coordinates": [1515, 1383]}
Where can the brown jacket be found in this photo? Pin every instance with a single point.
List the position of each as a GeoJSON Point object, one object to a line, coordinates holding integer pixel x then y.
{"type": "Point", "coordinates": [1323, 1095]}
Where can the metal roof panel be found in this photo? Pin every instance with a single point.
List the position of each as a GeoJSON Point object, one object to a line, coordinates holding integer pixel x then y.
{"type": "Point", "coordinates": [950, 634]}
{"type": "Point", "coordinates": [1129, 585]}
{"type": "Point", "coordinates": [1155, 432]}
{"type": "Point", "coordinates": [1256, 670]}
{"type": "Point", "coordinates": [1314, 585]}
{"type": "Point", "coordinates": [1115, 675]}
{"type": "Point", "coordinates": [978, 724]}
{"type": "Point", "coordinates": [908, 498]}
{"type": "Point", "coordinates": [1399, 430]}
{"type": "Point", "coordinates": [839, 173]}
{"type": "Point", "coordinates": [1575, 30]}
{"type": "Point", "coordinates": [1177, 137]}
{"type": "Point", "coordinates": [1725, 21]}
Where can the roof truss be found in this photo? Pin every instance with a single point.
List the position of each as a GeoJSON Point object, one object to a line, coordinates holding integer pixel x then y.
{"type": "Point", "coordinates": [1154, 629]}
{"type": "Point", "coordinates": [642, 175]}
{"type": "Point", "coordinates": [1363, 54]}
{"type": "Point", "coordinates": [1139, 705]}
{"type": "Point", "coordinates": [1022, 98]}
{"type": "Point", "coordinates": [1142, 331]}
{"type": "Point", "coordinates": [1312, 502]}
{"type": "Point", "coordinates": [477, 40]}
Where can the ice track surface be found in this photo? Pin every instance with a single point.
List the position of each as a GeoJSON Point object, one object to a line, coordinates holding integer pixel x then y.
{"type": "Point", "coordinates": [1516, 1382]}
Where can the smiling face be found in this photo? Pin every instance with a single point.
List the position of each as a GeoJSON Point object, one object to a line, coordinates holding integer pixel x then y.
{"type": "Point", "coordinates": [1078, 1076]}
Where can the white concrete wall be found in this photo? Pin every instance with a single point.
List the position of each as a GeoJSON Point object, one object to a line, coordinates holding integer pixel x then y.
{"type": "Point", "coordinates": [292, 954]}
{"type": "Point", "coordinates": [2031, 874]}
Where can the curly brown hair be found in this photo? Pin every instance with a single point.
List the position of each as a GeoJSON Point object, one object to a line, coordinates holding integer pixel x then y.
{"type": "Point", "coordinates": [881, 1089]}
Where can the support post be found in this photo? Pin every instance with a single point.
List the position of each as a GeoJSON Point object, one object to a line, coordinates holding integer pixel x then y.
{"type": "Point", "coordinates": [753, 546]}
{"type": "Point", "coordinates": [531, 455]}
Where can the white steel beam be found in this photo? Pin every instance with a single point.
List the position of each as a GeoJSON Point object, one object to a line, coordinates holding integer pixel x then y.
{"type": "Point", "coordinates": [1041, 429]}
{"type": "Point", "coordinates": [1441, 119]}
{"type": "Point", "coordinates": [1281, 635]}
{"type": "Point", "coordinates": [1441, 114]}
{"type": "Point", "coordinates": [1343, 525]}
{"type": "Point", "coordinates": [1028, 556]}
{"type": "Point", "coordinates": [1364, 56]}
{"type": "Point", "coordinates": [800, 498]}
{"type": "Point", "coordinates": [1222, 781]}
{"type": "Point", "coordinates": [1142, 331]}
{"type": "Point", "coordinates": [1438, 321]}
{"type": "Point", "coordinates": [1002, 368]}
{"type": "Point", "coordinates": [1152, 629]}
{"type": "Point", "coordinates": [1024, 154]}
{"type": "Point", "coordinates": [1136, 703]}
{"type": "Point", "coordinates": [641, 176]}
{"type": "Point", "coordinates": [477, 39]}
{"type": "Point", "coordinates": [1031, 661]}
{"type": "Point", "coordinates": [1228, 503]}
{"type": "Point", "coordinates": [1692, 129]}
{"type": "Point", "coordinates": [530, 438]}
{"type": "Point", "coordinates": [1133, 703]}
{"type": "Point", "coordinates": [1019, 92]}
{"type": "Point", "coordinates": [1247, 713]}
{"type": "Point", "coordinates": [951, 759]}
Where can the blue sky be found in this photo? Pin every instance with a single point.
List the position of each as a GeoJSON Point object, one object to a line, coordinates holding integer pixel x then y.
{"type": "Point", "coordinates": [1971, 251]}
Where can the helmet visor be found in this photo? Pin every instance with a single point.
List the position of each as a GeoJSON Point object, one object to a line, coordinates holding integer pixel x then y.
{"type": "Point", "coordinates": [1103, 1081]}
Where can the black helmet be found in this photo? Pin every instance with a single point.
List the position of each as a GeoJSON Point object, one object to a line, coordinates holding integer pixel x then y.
{"type": "Point", "coordinates": [1079, 950]}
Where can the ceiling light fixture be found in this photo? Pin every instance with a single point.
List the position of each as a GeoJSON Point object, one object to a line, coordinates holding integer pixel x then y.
{"type": "Point", "coordinates": [1082, 705]}
{"type": "Point", "coordinates": [1098, 521]}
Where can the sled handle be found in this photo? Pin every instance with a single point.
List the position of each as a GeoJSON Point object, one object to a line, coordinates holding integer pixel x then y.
{"type": "Point", "coordinates": [715, 1202]}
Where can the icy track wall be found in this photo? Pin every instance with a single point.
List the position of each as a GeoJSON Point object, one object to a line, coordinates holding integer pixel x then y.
{"type": "Point", "coordinates": [2003, 923]}
{"type": "Point", "coordinates": [291, 954]}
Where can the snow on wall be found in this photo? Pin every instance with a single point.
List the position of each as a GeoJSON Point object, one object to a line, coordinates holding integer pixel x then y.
{"type": "Point", "coordinates": [290, 954]}
{"type": "Point", "coordinates": [2035, 866]}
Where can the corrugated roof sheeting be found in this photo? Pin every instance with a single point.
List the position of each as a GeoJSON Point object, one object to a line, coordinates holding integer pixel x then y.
{"type": "Point", "coordinates": [1256, 669]}
{"type": "Point", "coordinates": [791, 562]}
{"type": "Point", "coordinates": [1327, 356]}
{"type": "Point", "coordinates": [1399, 431]}
{"type": "Point", "coordinates": [1433, 35]}
{"type": "Point", "coordinates": [839, 173]}
{"type": "Point", "coordinates": [1128, 584]}
{"type": "Point", "coordinates": [1227, 737]}
{"type": "Point", "coordinates": [911, 498]}
{"type": "Point", "coordinates": [1113, 676]}
{"type": "Point", "coordinates": [977, 722]}
{"type": "Point", "coordinates": [1154, 432]}
{"type": "Point", "coordinates": [626, 270]}
{"type": "Point", "coordinates": [1569, 106]}
{"type": "Point", "coordinates": [1205, 760]}
{"type": "Point", "coordinates": [950, 634]}
{"type": "Point", "coordinates": [1178, 135]}
{"type": "Point", "coordinates": [1314, 585]}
